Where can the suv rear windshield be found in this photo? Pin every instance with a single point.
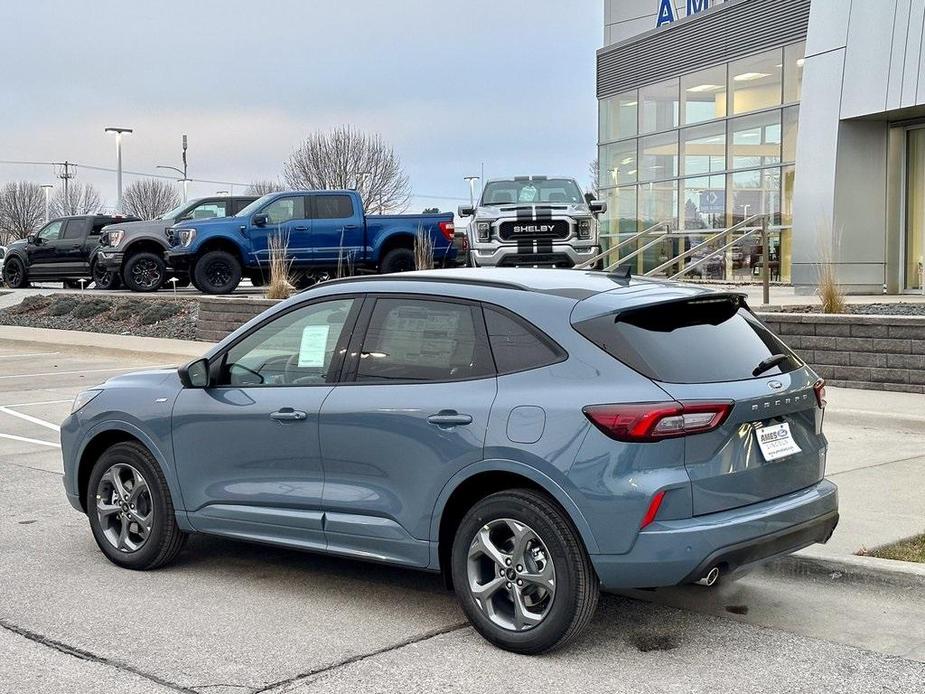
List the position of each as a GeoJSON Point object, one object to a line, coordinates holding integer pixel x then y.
{"type": "Point", "coordinates": [699, 341]}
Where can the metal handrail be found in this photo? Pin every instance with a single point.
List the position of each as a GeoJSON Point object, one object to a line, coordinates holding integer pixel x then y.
{"type": "Point", "coordinates": [622, 259]}
{"type": "Point", "coordinates": [590, 261]}
{"type": "Point", "coordinates": [709, 241]}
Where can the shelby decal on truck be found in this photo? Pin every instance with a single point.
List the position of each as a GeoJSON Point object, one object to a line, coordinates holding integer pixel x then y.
{"type": "Point", "coordinates": [322, 231]}
{"type": "Point", "coordinates": [532, 221]}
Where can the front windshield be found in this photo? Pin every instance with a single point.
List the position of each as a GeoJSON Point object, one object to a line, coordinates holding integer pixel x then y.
{"type": "Point", "coordinates": [532, 192]}
{"type": "Point", "coordinates": [254, 206]}
{"type": "Point", "coordinates": [175, 212]}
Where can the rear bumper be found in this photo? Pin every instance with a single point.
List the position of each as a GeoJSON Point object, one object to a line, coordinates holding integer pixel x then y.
{"type": "Point", "coordinates": [681, 551]}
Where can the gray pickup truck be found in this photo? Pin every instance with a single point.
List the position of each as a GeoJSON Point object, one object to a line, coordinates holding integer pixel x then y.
{"type": "Point", "coordinates": [135, 251]}
{"type": "Point", "coordinates": [532, 221]}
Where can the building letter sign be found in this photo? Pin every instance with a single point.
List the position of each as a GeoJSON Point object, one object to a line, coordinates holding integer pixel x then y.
{"type": "Point", "coordinates": [666, 10]}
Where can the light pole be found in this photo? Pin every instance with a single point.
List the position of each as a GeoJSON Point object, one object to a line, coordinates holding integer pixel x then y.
{"type": "Point", "coordinates": [118, 133]}
{"type": "Point", "coordinates": [471, 181]}
{"type": "Point", "coordinates": [185, 179]}
{"type": "Point", "coordinates": [47, 187]}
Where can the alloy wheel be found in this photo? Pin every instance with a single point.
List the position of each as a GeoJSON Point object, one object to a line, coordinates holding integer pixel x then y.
{"type": "Point", "coordinates": [13, 274]}
{"type": "Point", "coordinates": [511, 574]}
{"type": "Point", "coordinates": [218, 273]}
{"type": "Point", "coordinates": [124, 507]}
{"type": "Point", "coordinates": [146, 273]}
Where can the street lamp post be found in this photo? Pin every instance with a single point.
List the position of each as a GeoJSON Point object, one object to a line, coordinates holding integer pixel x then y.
{"type": "Point", "coordinates": [47, 187]}
{"type": "Point", "coordinates": [471, 181]}
{"type": "Point", "coordinates": [184, 178]}
{"type": "Point", "coordinates": [118, 133]}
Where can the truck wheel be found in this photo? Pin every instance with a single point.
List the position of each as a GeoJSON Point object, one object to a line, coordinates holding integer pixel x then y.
{"type": "Point", "coordinates": [144, 272]}
{"type": "Point", "coordinates": [397, 260]}
{"type": "Point", "coordinates": [104, 279]}
{"type": "Point", "coordinates": [14, 274]}
{"type": "Point", "coordinates": [521, 572]}
{"type": "Point", "coordinates": [217, 272]}
{"type": "Point", "coordinates": [71, 284]}
{"type": "Point", "coordinates": [257, 279]}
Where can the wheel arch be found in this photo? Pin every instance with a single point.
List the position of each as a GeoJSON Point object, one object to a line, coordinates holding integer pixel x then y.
{"type": "Point", "coordinates": [143, 245]}
{"type": "Point", "coordinates": [110, 433]}
{"type": "Point", "coordinates": [399, 239]}
{"type": "Point", "coordinates": [220, 243]}
{"type": "Point", "coordinates": [478, 481]}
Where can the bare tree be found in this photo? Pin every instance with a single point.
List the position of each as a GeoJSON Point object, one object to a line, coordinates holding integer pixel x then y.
{"type": "Point", "coordinates": [81, 198]}
{"type": "Point", "coordinates": [22, 209]}
{"type": "Point", "coordinates": [348, 158]}
{"type": "Point", "coordinates": [149, 198]}
{"type": "Point", "coordinates": [264, 186]}
{"type": "Point", "coordinates": [593, 172]}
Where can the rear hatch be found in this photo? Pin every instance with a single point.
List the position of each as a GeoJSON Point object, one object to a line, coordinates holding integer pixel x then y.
{"type": "Point", "coordinates": [711, 349]}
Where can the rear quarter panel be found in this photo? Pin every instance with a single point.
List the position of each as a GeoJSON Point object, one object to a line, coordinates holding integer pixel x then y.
{"type": "Point", "coordinates": [383, 229]}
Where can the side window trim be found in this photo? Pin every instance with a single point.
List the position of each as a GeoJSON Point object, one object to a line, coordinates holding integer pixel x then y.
{"type": "Point", "coordinates": [312, 206]}
{"type": "Point", "coordinates": [351, 367]}
{"type": "Point", "coordinates": [217, 361]}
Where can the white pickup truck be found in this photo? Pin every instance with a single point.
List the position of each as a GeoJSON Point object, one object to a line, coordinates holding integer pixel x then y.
{"type": "Point", "coordinates": [532, 221]}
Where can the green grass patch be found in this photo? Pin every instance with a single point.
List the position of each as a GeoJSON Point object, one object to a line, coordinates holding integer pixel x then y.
{"type": "Point", "coordinates": [910, 549]}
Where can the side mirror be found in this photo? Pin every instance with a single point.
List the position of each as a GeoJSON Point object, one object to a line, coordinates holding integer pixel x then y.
{"type": "Point", "coordinates": [33, 239]}
{"type": "Point", "coordinates": [183, 218]}
{"type": "Point", "coordinates": [598, 206]}
{"type": "Point", "coordinates": [261, 220]}
{"type": "Point", "coordinates": [195, 374]}
{"type": "Point", "coordinates": [466, 210]}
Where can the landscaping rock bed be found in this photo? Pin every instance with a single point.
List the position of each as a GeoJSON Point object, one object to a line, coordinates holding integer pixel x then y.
{"type": "Point", "coordinates": [898, 309]}
{"type": "Point", "coordinates": [169, 318]}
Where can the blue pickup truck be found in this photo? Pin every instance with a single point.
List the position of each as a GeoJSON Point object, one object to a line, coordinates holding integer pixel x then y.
{"type": "Point", "coordinates": [323, 230]}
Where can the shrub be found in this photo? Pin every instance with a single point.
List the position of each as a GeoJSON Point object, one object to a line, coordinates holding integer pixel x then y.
{"type": "Point", "coordinates": [36, 302]}
{"type": "Point", "coordinates": [127, 309]}
{"type": "Point", "coordinates": [831, 293]}
{"type": "Point", "coordinates": [92, 308]}
{"type": "Point", "coordinates": [280, 285]}
{"type": "Point", "coordinates": [423, 250]}
{"type": "Point", "coordinates": [158, 311]}
{"type": "Point", "coordinates": [62, 305]}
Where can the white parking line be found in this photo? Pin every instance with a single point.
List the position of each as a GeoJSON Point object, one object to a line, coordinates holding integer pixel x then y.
{"type": "Point", "coordinates": [41, 402]}
{"type": "Point", "coordinates": [28, 440]}
{"type": "Point", "coordinates": [33, 354]}
{"type": "Point", "coordinates": [88, 371]}
{"type": "Point", "coordinates": [30, 418]}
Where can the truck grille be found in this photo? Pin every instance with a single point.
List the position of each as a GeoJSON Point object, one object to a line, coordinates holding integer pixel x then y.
{"type": "Point", "coordinates": [533, 229]}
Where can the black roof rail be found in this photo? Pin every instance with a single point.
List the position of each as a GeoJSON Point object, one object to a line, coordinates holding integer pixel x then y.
{"type": "Point", "coordinates": [498, 284]}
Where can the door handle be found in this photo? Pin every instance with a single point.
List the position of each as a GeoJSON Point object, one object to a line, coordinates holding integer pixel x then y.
{"type": "Point", "coordinates": [446, 419]}
{"type": "Point", "coordinates": [300, 228]}
{"type": "Point", "coordinates": [287, 414]}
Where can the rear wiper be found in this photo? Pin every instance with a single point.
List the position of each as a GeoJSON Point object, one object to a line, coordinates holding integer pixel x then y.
{"type": "Point", "coordinates": [769, 363]}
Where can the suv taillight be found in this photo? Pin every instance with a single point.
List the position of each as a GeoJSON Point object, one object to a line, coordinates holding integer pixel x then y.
{"type": "Point", "coordinates": [448, 230]}
{"type": "Point", "coordinates": [819, 390]}
{"type": "Point", "coordinates": [641, 422]}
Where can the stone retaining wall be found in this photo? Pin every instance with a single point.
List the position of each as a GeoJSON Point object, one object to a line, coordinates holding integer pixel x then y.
{"type": "Point", "coordinates": [857, 351]}
{"type": "Point", "coordinates": [219, 316]}
{"type": "Point", "coordinates": [853, 351]}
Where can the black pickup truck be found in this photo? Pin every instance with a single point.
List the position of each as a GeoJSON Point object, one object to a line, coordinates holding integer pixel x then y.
{"type": "Point", "coordinates": [65, 250]}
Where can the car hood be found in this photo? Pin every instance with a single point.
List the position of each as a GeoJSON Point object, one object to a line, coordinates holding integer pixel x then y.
{"type": "Point", "coordinates": [154, 378]}
{"type": "Point", "coordinates": [518, 210]}
{"type": "Point", "coordinates": [157, 225]}
{"type": "Point", "coordinates": [212, 222]}
{"type": "Point", "coordinates": [19, 243]}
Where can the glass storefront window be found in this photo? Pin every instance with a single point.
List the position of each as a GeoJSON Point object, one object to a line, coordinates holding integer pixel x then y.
{"type": "Point", "coordinates": [788, 174]}
{"type": "Point", "coordinates": [617, 116]}
{"type": "Point", "coordinates": [617, 163]}
{"type": "Point", "coordinates": [703, 203]}
{"type": "Point", "coordinates": [703, 95]}
{"type": "Point", "coordinates": [620, 217]}
{"type": "Point", "coordinates": [754, 192]}
{"type": "Point", "coordinates": [915, 208]}
{"type": "Point", "coordinates": [755, 140]}
{"type": "Point", "coordinates": [658, 156]}
{"type": "Point", "coordinates": [791, 124]}
{"type": "Point", "coordinates": [793, 71]}
{"type": "Point", "coordinates": [658, 104]}
{"type": "Point", "coordinates": [703, 149]}
{"type": "Point", "coordinates": [658, 202]}
{"type": "Point", "coordinates": [755, 82]}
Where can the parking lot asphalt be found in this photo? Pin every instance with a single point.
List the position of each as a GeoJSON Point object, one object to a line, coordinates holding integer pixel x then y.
{"type": "Point", "coordinates": [234, 617]}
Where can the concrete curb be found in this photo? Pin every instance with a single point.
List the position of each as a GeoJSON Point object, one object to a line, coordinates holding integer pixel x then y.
{"type": "Point", "coordinates": [852, 569]}
{"type": "Point", "coordinates": [148, 348]}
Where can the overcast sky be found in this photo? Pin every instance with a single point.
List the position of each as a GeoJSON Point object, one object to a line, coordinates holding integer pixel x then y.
{"type": "Point", "coordinates": [450, 84]}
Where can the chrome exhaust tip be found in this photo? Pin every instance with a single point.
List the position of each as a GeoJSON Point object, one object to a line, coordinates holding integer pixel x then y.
{"type": "Point", "coordinates": [709, 578]}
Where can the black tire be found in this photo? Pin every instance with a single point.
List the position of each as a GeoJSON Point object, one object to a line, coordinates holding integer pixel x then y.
{"type": "Point", "coordinates": [144, 272]}
{"type": "Point", "coordinates": [217, 272]}
{"type": "Point", "coordinates": [397, 260]}
{"type": "Point", "coordinates": [164, 539]}
{"type": "Point", "coordinates": [14, 274]}
{"type": "Point", "coordinates": [71, 284]}
{"type": "Point", "coordinates": [576, 585]}
{"type": "Point", "coordinates": [104, 279]}
{"type": "Point", "coordinates": [257, 279]}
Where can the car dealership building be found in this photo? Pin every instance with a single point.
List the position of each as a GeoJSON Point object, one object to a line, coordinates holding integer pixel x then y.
{"type": "Point", "coordinates": [809, 111]}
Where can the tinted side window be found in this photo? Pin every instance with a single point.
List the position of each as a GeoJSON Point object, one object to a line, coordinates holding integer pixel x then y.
{"type": "Point", "coordinates": [333, 207]}
{"type": "Point", "coordinates": [285, 209]}
{"type": "Point", "coordinates": [421, 340]}
{"type": "Point", "coordinates": [208, 210]}
{"type": "Point", "coordinates": [295, 349]}
{"type": "Point", "coordinates": [689, 342]}
{"type": "Point", "coordinates": [517, 345]}
{"type": "Point", "coordinates": [74, 229]}
{"type": "Point", "coordinates": [51, 232]}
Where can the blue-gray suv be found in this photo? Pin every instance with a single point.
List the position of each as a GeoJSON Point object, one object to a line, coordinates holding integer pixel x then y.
{"type": "Point", "coordinates": [536, 435]}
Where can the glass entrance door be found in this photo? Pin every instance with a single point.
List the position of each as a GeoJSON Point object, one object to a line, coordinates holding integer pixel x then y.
{"type": "Point", "coordinates": [915, 207]}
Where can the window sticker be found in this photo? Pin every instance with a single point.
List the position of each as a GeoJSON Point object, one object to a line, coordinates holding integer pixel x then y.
{"type": "Point", "coordinates": [314, 346]}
